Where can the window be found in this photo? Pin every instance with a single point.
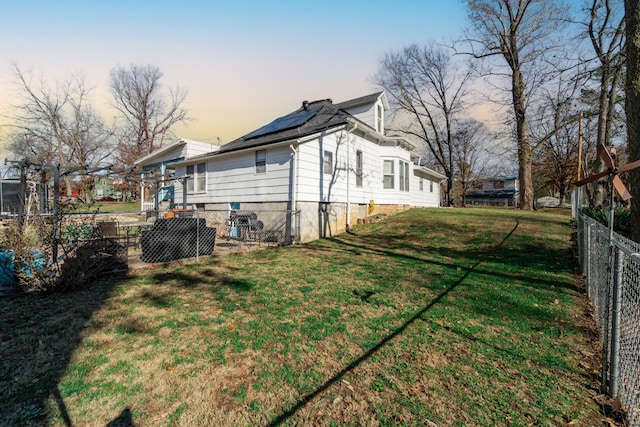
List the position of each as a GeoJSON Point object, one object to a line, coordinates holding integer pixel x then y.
{"type": "Point", "coordinates": [190, 179]}
{"type": "Point", "coordinates": [387, 170]}
{"type": "Point", "coordinates": [327, 165]}
{"type": "Point", "coordinates": [431, 186]}
{"type": "Point", "coordinates": [379, 117]}
{"type": "Point", "coordinates": [421, 183]}
{"type": "Point", "coordinates": [201, 174]}
{"type": "Point", "coordinates": [358, 168]}
{"type": "Point", "coordinates": [404, 176]}
{"type": "Point", "coordinates": [197, 178]}
{"type": "Point", "coordinates": [261, 161]}
{"type": "Point", "coordinates": [498, 185]}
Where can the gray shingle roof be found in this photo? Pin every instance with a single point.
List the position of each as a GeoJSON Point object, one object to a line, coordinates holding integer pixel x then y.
{"type": "Point", "coordinates": [367, 99]}
{"type": "Point", "coordinates": [326, 115]}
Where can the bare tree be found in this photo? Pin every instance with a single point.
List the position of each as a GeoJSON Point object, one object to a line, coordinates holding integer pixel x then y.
{"type": "Point", "coordinates": [556, 160]}
{"type": "Point", "coordinates": [146, 112]}
{"type": "Point", "coordinates": [522, 33]}
{"type": "Point", "coordinates": [470, 139]}
{"type": "Point", "coordinates": [632, 105]}
{"type": "Point", "coordinates": [427, 86]}
{"type": "Point", "coordinates": [55, 125]}
{"type": "Point", "coordinates": [606, 33]}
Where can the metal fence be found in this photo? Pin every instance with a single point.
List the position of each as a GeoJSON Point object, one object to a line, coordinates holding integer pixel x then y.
{"type": "Point", "coordinates": [611, 264]}
{"type": "Point", "coordinates": [171, 235]}
{"type": "Point", "coordinates": [74, 248]}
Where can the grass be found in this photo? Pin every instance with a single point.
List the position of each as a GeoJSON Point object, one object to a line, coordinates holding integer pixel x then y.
{"type": "Point", "coordinates": [108, 207]}
{"type": "Point", "coordinates": [466, 317]}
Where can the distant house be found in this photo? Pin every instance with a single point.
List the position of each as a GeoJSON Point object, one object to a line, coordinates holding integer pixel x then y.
{"type": "Point", "coordinates": [494, 191]}
{"type": "Point", "coordinates": [328, 164]}
{"type": "Point", "coordinates": [103, 186]}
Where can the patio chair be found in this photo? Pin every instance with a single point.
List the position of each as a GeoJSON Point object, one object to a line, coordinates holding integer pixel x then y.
{"type": "Point", "coordinates": [108, 229]}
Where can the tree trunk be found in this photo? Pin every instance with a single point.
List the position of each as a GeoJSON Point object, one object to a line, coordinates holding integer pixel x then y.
{"type": "Point", "coordinates": [562, 193]}
{"type": "Point", "coordinates": [632, 106]}
{"type": "Point", "coordinates": [525, 156]}
{"type": "Point", "coordinates": [524, 176]}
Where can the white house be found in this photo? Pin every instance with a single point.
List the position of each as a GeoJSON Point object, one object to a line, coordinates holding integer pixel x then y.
{"type": "Point", "coordinates": [329, 164]}
{"type": "Point", "coordinates": [160, 162]}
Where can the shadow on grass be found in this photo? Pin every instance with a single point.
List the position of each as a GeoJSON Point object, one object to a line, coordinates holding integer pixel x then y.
{"type": "Point", "coordinates": [214, 280]}
{"type": "Point", "coordinates": [417, 316]}
{"type": "Point", "coordinates": [39, 334]}
{"type": "Point", "coordinates": [520, 258]}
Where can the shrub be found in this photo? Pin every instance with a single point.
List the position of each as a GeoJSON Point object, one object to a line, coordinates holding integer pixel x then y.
{"type": "Point", "coordinates": [621, 219]}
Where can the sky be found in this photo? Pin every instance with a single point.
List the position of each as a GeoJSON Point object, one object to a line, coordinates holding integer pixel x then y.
{"type": "Point", "coordinates": [243, 63]}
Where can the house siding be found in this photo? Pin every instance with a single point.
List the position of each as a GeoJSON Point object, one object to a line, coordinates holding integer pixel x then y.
{"type": "Point", "coordinates": [367, 113]}
{"type": "Point", "coordinates": [233, 178]}
{"type": "Point", "coordinates": [193, 148]}
{"type": "Point", "coordinates": [424, 197]}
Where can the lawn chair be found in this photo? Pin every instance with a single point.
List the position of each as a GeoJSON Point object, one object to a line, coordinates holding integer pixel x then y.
{"type": "Point", "coordinates": [108, 229]}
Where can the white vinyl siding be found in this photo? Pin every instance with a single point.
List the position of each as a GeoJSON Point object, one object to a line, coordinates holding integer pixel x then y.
{"type": "Point", "coordinates": [232, 177]}
{"type": "Point", "coordinates": [430, 195]}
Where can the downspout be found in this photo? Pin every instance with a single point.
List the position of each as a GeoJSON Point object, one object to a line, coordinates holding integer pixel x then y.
{"type": "Point", "coordinates": [294, 189]}
{"type": "Point", "coordinates": [348, 228]}
{"type": "Point", "coordinates": [142, 192]}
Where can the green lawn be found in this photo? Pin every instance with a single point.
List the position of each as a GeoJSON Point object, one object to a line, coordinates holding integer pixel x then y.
{"type": "Point", "coordinates": [465, 317]}
{"type": "Point", "coordinates": [110, 207]}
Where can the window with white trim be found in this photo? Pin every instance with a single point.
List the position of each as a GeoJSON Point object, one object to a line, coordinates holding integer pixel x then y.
{"type": "Point", "coordinates": [358, 168]}
{"type": "Point", "coordinates": [197, 178]}
{"type": "Point", "coordinates": [431, 186]}
{"type": "Point", "coordinates": [327, 164]}
{"type": "Point", "coordinates": [380, 118]}
{"type": "Point", "coordinates": [261, 161]}
{"type": "Point", "coordinates": [421, 183]}
{"type": "Point", "coordinates": [388, 175]}
{"type": "Point", "coordinates": [404, 176]}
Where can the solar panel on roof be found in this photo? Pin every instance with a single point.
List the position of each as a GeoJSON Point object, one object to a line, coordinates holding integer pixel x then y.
{"type": "Point", "coordinates": [283, 123]}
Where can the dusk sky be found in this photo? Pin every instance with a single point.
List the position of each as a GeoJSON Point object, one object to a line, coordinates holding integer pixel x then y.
{"type": "Point", "coordinates": [243, 63]}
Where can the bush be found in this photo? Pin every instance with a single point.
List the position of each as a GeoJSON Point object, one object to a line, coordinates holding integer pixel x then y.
{"type": "Point", "coordinates": [621, 219]}
{"type": "Point", "coordinates": [81, 255]}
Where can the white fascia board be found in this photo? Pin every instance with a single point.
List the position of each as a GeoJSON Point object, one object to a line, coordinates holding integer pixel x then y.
{"type": "Point", "coordinates": [381, 139]}
{"type": "Point", "coordinates": [159, 152]}
{"type": "Point", "coordinates": [430, 172]}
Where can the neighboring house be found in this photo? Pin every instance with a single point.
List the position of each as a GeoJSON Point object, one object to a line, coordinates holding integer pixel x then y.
{"type": "Point", "coordinates": [331, 164]}
{"type": "Point", "coordinates": [494, 191]}
{"type": "Point", "coordinates": [158, 166]}
{"type": "Point", "coordinates": [103, 186]}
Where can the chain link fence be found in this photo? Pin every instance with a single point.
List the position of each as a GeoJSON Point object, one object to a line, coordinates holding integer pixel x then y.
{"type": "Point", "coordinates": [172, 235]}
{"type": "Point", "coordinates": [78, 247]}
{"type": "Point", "coordinates": [611, 264]}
